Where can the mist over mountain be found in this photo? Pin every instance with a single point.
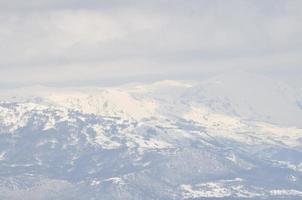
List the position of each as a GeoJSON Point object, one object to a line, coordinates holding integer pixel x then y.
{"type": "Point", "coordinates": [150, 100]}
{"type": "Point", "coordinates": [232, 136]}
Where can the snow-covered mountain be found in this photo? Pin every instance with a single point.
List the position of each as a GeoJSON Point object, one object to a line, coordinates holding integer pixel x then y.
{"type": "Point", "coordinates": [233, 136]}
{"type": "Point", "coordinates": [252, 97]}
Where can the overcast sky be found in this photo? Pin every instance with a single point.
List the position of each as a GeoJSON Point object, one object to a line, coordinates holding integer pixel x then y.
{"type": "Point", "coordinates": [82, 42]}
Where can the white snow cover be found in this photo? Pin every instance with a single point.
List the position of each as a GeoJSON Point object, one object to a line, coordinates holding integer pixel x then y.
{"type": "Point", "coordinates": [168, 126]}
{"type": "Point", "coordinates": [220, 189]}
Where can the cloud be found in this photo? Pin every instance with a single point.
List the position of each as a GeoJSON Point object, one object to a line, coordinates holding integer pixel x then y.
{"type": "Point", "coordinates": [55, 41]}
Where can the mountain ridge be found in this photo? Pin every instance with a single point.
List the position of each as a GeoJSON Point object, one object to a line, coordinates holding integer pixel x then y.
{"type": "Point", "coordinates": [152, 141]}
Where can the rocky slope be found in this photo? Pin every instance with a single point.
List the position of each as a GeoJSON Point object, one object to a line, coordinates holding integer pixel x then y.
{"type": "Point", "coordinates": [220, 138]}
